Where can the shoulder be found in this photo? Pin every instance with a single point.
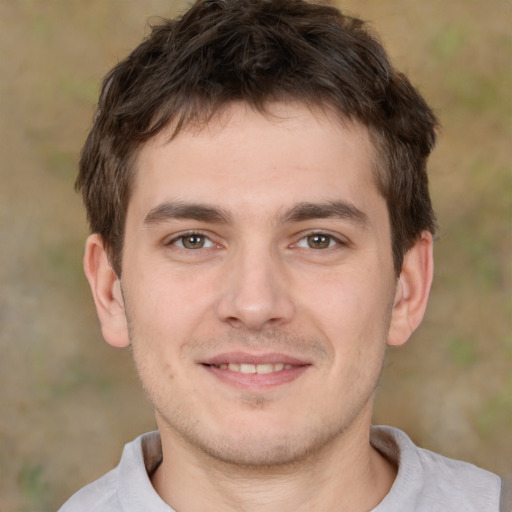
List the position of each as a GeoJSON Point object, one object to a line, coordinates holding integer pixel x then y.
{"type": "Point", "coordinates": [125, 487]}
{"type": "Point", "coordinates": [99, 495]}
{"type": "Point", "coordinates": [429, 481]}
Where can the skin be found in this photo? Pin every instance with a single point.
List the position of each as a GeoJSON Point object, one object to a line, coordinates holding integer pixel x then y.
{"type": "Point", "coordinates": [227, 261]}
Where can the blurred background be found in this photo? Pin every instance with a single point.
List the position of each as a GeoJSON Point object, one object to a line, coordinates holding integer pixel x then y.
{"type": "Point", "coordinates": [68, 402]}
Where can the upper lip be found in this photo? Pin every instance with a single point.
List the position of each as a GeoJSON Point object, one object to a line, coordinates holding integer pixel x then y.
{"type": "Point", "coordinates": [247, 358]}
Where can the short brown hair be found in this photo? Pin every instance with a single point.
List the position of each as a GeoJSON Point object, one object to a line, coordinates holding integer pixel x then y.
{"type": "Point", "coordinates": [258, 51]}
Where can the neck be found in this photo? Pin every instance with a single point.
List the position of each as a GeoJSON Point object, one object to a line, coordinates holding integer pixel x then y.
{"type": "Point", "coordinates": [345, 475]}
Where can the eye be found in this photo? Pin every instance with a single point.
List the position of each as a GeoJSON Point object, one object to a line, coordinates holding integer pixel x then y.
{"type": "Point", "coordinates": [318, 241]}
{"type": "Point", "coordinates": [192, 241]}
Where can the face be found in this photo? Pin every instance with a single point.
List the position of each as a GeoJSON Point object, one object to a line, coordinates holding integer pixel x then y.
{"type": "Point", "coordinates": [258, 283]}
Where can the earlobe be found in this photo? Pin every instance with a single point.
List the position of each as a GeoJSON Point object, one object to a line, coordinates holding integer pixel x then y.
{"type": "Point", "coordinates": [412, 290]}
{"type": "Point", "coordinates": [106, 291]}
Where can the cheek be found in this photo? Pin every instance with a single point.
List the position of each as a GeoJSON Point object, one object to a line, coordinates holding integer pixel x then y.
{"type": "Point", "coordinates": [352, 310]}
{"type": "Point", "coordinates": [160, 324]}
{"type": "Point", "coordinates": [165, 294]}
{"type": "Point", "coordinates": [348, 295]}
{"type": "Point", "coordinates": [165, 310]}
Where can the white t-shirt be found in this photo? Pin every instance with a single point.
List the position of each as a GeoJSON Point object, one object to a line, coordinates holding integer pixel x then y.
{"type": "Point", "coordinates": [426, 481]}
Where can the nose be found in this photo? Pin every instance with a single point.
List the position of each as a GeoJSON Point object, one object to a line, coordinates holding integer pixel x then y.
{"type": "Point", "coordinates": [254, 293]}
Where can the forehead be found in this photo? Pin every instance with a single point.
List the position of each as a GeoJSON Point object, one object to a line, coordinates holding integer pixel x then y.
{"type": "Point", "coordinates": [288, 154]}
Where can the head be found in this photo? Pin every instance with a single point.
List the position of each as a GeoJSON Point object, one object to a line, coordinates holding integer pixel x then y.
{"type": "Point", "coordinates": [255, 181]}
{"type": "Point", "coordinates": [222, 52]}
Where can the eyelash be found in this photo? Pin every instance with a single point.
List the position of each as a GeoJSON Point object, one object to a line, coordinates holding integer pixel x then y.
{"type": "Point", "coordinates": [189, 234]}
{"type": "Point", "coordinates": [333, 241]}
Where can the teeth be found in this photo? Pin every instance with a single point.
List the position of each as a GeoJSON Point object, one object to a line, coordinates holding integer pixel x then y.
{"type": "Point", "coordinates": [255, 368]}
{"type": "Point", "coordinates": [265, 368]}
{"type": "Point", "coordinates": [247, 368]}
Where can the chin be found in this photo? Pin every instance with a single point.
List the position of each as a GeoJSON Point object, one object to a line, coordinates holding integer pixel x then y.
{"type": "Point", "coordinates": [257, 454]}
{"type": "Point", "coordinates": [259, 446]}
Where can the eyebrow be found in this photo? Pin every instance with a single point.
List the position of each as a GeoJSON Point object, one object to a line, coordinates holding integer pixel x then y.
{"type": "Point", "coordinates": [329, 210]}
{"type": "Point", "coordinates": [194, 211]}
{"type": "Point", "coordinates": [298, 213]}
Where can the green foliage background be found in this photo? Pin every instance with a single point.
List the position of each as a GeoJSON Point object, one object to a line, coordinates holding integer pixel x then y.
{"type": "Point", "coordinates": [68, 402]}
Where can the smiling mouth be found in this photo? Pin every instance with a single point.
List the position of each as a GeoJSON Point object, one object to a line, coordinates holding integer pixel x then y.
{"type": "Point", "coordinates": [255, 372]}
{"type": "Point", "coordinates": [260, 369]}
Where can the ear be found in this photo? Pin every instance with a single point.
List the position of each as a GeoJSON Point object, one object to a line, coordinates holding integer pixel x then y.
{"type": "Point", "coordinates": [412, 290]}
{"type": "Point", "coordinates": [106, 291]}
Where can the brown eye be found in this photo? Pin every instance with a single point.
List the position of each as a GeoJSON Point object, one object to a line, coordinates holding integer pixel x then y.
{"type": "Point", "coordinates": [193, 241]}
{"type": "Point", "coordinates": [319, 241]}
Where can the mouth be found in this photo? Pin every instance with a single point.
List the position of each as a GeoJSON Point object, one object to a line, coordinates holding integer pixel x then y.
{"type": "Point", "coordinates": [253, 372]}
{"type": "Point", "coordinates": [260, 369]}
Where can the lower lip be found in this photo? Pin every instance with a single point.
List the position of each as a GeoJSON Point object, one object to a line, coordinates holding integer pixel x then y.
{"type": "Point", "coordinates": [252, 381]}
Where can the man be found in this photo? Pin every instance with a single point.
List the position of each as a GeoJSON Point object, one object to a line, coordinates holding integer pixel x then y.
{"type": "Point", "coordinates": [255, 181]}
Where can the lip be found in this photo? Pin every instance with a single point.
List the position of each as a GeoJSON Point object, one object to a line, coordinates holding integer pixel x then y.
{"type": "Point", "coordinates": [248, 358]}
{"type": "Point", "coordinates": [253, 381]}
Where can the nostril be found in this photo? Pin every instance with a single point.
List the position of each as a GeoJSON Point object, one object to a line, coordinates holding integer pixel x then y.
{"type": "Point", "coordinates": [234, 322]}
